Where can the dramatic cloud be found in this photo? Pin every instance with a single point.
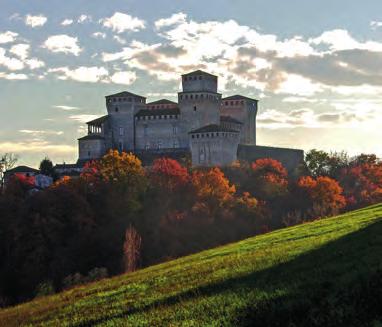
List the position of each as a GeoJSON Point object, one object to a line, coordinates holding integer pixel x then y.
{"type": "Point", "coordinates": [125, 78]}
{"type": "Point", "coordinates": [81, 74]}
{"type": "Point", "coordinates": [63, 43]}
{"type": "Point", "coordinates": [35, 21]}
{"type": "Point", "coordinates": [120, 22]}
{"type": "Point", "coordinates": [7, 37]}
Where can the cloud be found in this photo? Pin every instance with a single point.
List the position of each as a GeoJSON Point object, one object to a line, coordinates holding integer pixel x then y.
{"type": "Point", "coordinates": [13, 76]}
{"type": "Point", "coordinates": [84, 18]}
{"type": "Point", "coordinates": [35, 21]}
{"type": "Point", "coordinates": [63, 43]}
{"type": "Point", "coordinates": [66, 108]}
{"type": "Point", "coordinates": [40, 132]}
{"type": "Point", "coordinates": [36, 146]}
{"type": "Point", "coordinates": [81, 74]}
{"type": "Point", "coordinates": [83, 118]}
{"type": "Point", "coordinates": [120, 22]}
{"type": "Point", "coordinates": [10, 63]}
{"type": "Point", "coordinates": [125, 78]}
{"type": "Point", "coordinates": [375, 25]}
{"type": "Point", "coordinates": [67, 22]}
{"type": "Point", "coordinates": [173, 20]}
{"type": "Point", "coordinates": [99, 35]}
{"type": "Point", "coordinates": [119, 39]}
{"type": "Point", "coordinates": [8, 37]}
{"type": "Point", "coordinates": [20, 50]}
{"type": "Point", "coordinates": [34, 63]}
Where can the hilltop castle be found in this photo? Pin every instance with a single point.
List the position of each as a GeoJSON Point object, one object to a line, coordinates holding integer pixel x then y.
{"type": "Point", "coordinates": [214, 130]}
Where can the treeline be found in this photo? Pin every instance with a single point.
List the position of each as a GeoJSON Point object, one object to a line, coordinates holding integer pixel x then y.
{"type": "Point", "coordinates": [119, 216]}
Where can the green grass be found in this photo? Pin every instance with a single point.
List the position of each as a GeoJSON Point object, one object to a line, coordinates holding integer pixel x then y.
{"type": "Point", "coordinates": [314, 274]}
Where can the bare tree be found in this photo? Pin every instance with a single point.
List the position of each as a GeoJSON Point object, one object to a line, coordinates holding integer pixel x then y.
{"type": "Point", "coordinates": [132, 249]}
{"type": "Point", "coordinates": [7, 161]}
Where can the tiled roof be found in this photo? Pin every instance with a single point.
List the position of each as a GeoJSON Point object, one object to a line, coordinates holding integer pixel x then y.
{"type": "Point", "coordinates": [238, 97]}
{"type": "Point", "coordinates": [92, 137]}
{"type": "Point", "coordinates": [98, 121]}
{"type": "Point", "coordinates": [22, 169]}
{"type": "Point", "coordinates": [161, 101]}
{"type": "Point", "coordinates": [230, 119]}
{"type": "Point", "coordinates": [198, 72]}
{"type": "Point", "coordinates": [157, 112]}
{"type": "Point", "coordinates": [125, 94]}
{"type": "Point", "coordinates": [212, 128]}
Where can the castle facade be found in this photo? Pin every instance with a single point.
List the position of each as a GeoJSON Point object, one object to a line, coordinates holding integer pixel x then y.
{"type": "Point", "coordinates": [213, 129]}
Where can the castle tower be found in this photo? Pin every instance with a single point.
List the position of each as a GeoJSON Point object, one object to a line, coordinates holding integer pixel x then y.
{"type": "Point", "coordinates": [199, 102]}
{"type": "Point", "coordinates": [121, 109]}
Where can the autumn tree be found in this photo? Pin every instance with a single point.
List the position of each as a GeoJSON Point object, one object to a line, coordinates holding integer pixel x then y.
{"type": "Point", "coordinates": [268, 180]}
{"type": "Point", "coordinates": [321, 196]}
{"type": "Point", "coordinates": [7, 161]}
{"type": "Point", "coordinates": [168, 174]}
{"type": "Point", "coordinates": [362, 183]}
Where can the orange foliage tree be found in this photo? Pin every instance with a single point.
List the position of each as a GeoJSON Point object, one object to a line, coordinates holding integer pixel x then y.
{"type": "Point", "coordinates": [212, 189]}
{"type": "Point", "coordinates": [322, 195]}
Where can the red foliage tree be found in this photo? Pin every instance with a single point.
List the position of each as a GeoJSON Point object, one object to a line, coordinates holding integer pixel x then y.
{"type": "Point", "coordinates": [362, 184]}
{"type": "Point", "coordinates": [168, 174]}
{"type": "Point", "coordinates": [322, 195]}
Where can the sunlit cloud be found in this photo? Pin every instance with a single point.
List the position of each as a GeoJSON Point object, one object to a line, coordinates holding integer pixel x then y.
{"type": "Point", "coordinates": [8, 37]}
{"type": "Point", "coordinates": [63, 43]}
{"type": "Point", "coordinates": [35, 21]}
{"type": "Point", "coordinates": [121, 22]}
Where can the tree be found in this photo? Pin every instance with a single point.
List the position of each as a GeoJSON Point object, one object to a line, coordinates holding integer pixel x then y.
{"type": "Point", "coordinates": [168, 174]}
{"type": "Point", "coordinates": [7, 161]}
{"type": "Point", "coordinates": [46, 167]}
{"type": "Point", "coordinates": [269, 179]}
{"type": "Point", "coordinates": [132, 249]}
{"type": "Point", "coordinates": [320, 196]}
{"type": "Point", "coordinates": [321, 163]}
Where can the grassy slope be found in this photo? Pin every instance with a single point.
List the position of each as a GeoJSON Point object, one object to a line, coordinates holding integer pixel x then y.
{"type": "Point", "coordinates": [226, 285]}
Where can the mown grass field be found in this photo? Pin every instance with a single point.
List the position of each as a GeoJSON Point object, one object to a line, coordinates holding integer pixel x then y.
{"type": "Point", "coordinates": [325, 273]}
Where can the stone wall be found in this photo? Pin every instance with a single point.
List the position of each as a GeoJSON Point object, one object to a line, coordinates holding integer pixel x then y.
{"type": "Point", "coordinates": [290, 158]}
{"type": "Point", "coordinates": [91, 148]}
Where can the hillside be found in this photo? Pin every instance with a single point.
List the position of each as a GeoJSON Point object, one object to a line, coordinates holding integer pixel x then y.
{"type": "Point", "coordinates": [324, 273]}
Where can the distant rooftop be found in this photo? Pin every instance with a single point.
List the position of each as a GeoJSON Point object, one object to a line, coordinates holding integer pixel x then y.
{"type": "Point", "coordinates": [161, 101]}
{"type": "Point", "coordinates": [238, 97]}
{"type": "Point", "coordinates": [125, 94]}
{"type": "Point", "coordinates": [23, 169]}
{"type": "Point", "coordinates": [98, 121]}
{"type": "Point", "coordinates": [92, 137]}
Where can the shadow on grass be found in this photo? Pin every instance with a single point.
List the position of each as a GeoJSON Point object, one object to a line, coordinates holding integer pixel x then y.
{"type": "Point", "coordinates": [338, 284]}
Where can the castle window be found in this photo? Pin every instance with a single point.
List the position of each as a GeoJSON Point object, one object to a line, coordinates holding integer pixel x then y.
{"type": "Point", "coordinates": [147, 146]}
{"type": "Point", "coordinates": [119, 99]}
{"type": "Point", "coordinates": [186, 96]}
{"type": "Point", "coordinates": [159, 144]}
{"type": "Point", "coordinates": [196, 96]}
{"type": "Point", "coordinates": [181, 97]}
{"type": "Point", "coordinates": [231, 103]}
{"type": "Point", "coordinates": [120, 146]}
{"type": "Point", "coordinates": [175, 130]}
{"type": "Point", "coordinates": [195, 78]}
{"type": "Point", "coordinates": [89, 154]}
{"type": "Point", "coordinates": [114, 99]}
{"type": "Point", "coordinates": [116, 109]}
{"type": "Point", "coordinates": [191, 96]}
{"type": "Point", "coordinates": [208, 135]}
{"type": "Point", "coordinates": [241, 102]}
{"type": "Point", "coordinates": [193, 136]}
{"type": "Point", "coordinates": [145, 128]}
{"type": "Point", "coordinates": [175, 144]}
{"type": "Point", "coordinates": [201, 96]}
{"type": "Point", "coordinates": [197, 136]}
{"type": "Point", "coordinates": [121, 131]}
{"type": "Point", "coordinates": [200, 77]}
{"type": "Point", "coordinates": [194, 108]}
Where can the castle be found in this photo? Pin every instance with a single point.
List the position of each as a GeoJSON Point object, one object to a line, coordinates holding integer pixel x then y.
{"type": "Point", "coordinates": [216, 131]}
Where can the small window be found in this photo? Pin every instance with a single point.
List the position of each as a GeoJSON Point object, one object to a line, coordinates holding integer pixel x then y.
{"type": "Point", "coordinates": [195, 78]}
{"type": "Point", "coordinates": [147, 146]}
{"type": "Point", "coordinates": [145, 129]}
{"type": "Point", "coordinates": [175, 130]}
{"type": "Point", "coordinates": [116, 109]}
{"type": "Point", "coordinates": [120, 146]}
{"type": "Point", "coordinates": [159, 144]}
{"type": "Point", "coordinates": [114, 99]}
{"type": "Point", "coordinates": [121, 131]}
{"type": "Point", "coordinates": [181, 97]}
{"type": "Point", "coordinates": [200, 77]}
{"type": "Point", "coordinates": [194, 108]}
{"type": "Point", "coordinates": [89, 154]}
{"type": "Point", "coordinates": [196, 96]}
{"type": "Point", "coordinates": [191, 96]}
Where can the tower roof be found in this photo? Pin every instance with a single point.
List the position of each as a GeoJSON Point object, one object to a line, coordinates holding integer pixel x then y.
{"type": "Point", "coordinates": [199, 72]}
{"type": "Point", "coordinates": [98, 121]}
{"type": "Point", "coordinates": [125, 94]}
{"type": "Point", "coordinates": [238, 97]}
{"type": "Point", "coordinates": [161, 101]}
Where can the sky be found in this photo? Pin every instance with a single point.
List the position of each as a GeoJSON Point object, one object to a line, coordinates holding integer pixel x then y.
{"type": "Point", "coordinates": [315, 67]}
